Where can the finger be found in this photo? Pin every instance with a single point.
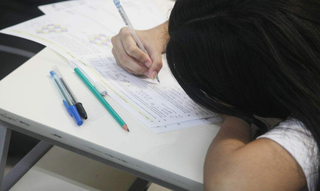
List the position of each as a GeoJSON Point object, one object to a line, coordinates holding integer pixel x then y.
{"type": "Point", "coordinates": [116, 57]}
{"type": "Point", "coordinates": [133, 68]}
{"type": "Point", "coordinates": [118, 49]}
{"type": "Point", "coordinates": [134, 51]}
{"type": "Point", "coordinates": [136, 68]}
{"type": "Point", "coordinates": [156, 63]}
{"type": "Point", "coordinates": [118, 62]}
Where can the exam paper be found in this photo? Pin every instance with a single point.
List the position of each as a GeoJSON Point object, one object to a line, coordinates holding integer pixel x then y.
{"type": "Point", "coordinates": [140, 112]}
{"type": "Point", "coordinates": [152, 103]}
{"type": "Point", "coordinates": [82, 31]}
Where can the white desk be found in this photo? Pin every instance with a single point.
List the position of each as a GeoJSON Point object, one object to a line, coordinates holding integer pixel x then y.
{"type": "Point", "coordinates": [30, 104]}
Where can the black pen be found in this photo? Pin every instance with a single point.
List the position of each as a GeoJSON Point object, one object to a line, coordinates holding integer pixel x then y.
{"type": "Point", "coordinates": [78, 105]}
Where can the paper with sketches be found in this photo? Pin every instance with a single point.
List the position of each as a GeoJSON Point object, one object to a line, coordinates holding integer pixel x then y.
{"type": "Point", "coordinates": [73, 36]}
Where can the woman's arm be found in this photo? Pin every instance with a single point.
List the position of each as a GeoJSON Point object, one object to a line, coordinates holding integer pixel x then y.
{"type": "Point", "coordinates": [235, 163]}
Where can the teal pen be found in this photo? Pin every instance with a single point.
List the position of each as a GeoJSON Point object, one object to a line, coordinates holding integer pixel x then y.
{"type": "Point", "coordinates": [101, 99]}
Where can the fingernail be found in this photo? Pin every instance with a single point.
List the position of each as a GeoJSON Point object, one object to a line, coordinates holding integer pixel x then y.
{"type": "Point", "coordinates": [154, 74]}
{"type": "Point", "coordinates": [148, 64]}
{"type": "Point", "coordinates": [146, 74]}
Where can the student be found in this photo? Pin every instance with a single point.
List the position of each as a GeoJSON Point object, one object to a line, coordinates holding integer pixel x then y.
{"type": "Point", "coordinates": [244, 58]}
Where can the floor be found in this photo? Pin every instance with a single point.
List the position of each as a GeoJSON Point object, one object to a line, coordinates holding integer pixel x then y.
{"type": "Point", "coordinates": [60, 169]}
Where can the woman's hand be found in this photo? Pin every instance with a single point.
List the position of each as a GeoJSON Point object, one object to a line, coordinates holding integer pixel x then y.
{"type": "Point", "coordinates": [131, 58]}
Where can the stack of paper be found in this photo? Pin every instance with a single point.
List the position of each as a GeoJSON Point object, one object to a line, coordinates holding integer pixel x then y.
{"type": "Point", "coordinates": [81, 32]}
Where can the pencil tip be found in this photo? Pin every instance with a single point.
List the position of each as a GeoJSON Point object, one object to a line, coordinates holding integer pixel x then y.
{"type": "Point", "coordinates": [125, 127]}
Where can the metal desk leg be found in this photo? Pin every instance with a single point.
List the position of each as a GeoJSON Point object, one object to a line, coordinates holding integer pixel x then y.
{"type": "Point", "coordinates": [140, 185]}
{"type": "Point", "coordinates": [25, 164]}
{"type": "Point", "coordinates": [5, 135]}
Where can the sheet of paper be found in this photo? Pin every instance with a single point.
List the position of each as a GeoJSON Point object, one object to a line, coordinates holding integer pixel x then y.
{"type": "Point", "coordinates": [81, 32]}
{"type": "Point", "coordinates": [118, 96]}
{"type": "Point", "coordinates": [152, 103]}
{"type": "Point", "coordinates": [61, 6]}
{"type": "Point", "coordinates": [137, 11]}
{"type": "Point", "coordinates": [186, 124]}
{"type": "Point", "coordinates": [73, 36]}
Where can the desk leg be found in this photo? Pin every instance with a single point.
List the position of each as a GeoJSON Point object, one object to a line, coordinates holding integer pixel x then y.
{"type": "Point", "coordinates": [25, 164]}
{"type": "Point", "coordinates": [5, 135]}
{"type": "Point", "coordinates": [140, 184]}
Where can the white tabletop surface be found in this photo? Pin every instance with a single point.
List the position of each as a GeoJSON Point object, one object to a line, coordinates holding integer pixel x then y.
{"type": "Point", "coordinates": [28, 99]}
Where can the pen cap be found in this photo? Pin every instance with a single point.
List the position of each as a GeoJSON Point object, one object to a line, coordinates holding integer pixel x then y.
{"type": "Point", "coordinates": [81, 110]}
{"type": "Point", "coordinates": [76, 115]}
{"type": "Point", "coordinates": [116, 3]}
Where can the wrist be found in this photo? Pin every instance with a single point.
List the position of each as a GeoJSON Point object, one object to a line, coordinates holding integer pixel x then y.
{"type": "Point", "coordinates": [235, 130]}
{"type": "Point", "coordinates": [233, 119]}
{"type": "Point", "coordinates": [236, 123]}
{"type": "Point", "coordinates": [160, 36]}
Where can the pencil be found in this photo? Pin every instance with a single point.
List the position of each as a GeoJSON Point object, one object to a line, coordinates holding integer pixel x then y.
{"type": "Point", "coordinates": [101, 99]}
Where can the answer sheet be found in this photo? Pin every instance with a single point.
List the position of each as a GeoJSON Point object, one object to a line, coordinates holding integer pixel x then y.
{"type": "Point", "coordinates": [158, 103]}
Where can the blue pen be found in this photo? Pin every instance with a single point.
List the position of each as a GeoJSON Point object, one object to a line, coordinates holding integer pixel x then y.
{"type": "Point", "coordinates": [72, 110]}
{"type": "Point", "coordinates": [73, 98]}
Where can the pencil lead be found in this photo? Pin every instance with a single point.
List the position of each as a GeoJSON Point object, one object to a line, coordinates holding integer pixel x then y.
{"type": "Point", "coordinates": [125, 127]}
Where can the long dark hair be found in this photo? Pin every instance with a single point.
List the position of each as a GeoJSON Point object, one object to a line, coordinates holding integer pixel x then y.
{"type": "Point", "coordinates": [249, 57]}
